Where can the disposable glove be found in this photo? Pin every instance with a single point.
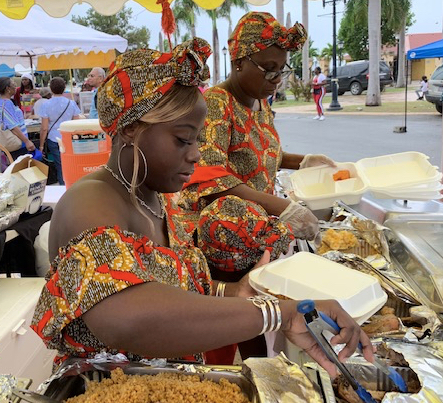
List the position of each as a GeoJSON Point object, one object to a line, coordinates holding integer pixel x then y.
{"type": "Point", "coordinates": [313, 160]}
{"type": "Point", "coordinates": [303, 222]}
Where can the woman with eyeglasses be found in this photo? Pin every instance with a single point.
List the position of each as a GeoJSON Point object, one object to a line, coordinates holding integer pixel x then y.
{"type": "Point", "coordinates": [230, 198]}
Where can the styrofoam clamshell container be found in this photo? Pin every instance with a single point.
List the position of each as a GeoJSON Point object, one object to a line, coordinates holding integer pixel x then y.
{"type": "Point", "coordinates": [317, 188]}
{"type": "Point", "coordinates": [398, 170]}
{"type": "Point", "coordinates": [308, 276]}
{"type": "Point", "coordinates": [407, 175]}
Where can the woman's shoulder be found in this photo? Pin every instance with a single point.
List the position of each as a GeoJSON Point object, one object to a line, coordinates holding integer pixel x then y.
{"type": "Point", "coordinates": [88, 203]}
{"type": "Point", "coordinates": [217, 93]}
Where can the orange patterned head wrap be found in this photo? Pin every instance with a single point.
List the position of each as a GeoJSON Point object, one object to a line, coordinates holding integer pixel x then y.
{"type": "Point", "coordinates": [257, 31]}
{"type": "Point", "coordinates": [138, 79]}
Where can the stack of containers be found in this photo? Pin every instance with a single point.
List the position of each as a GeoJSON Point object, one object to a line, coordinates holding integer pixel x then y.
{"type": "Point", "coordinates": [406, 176]}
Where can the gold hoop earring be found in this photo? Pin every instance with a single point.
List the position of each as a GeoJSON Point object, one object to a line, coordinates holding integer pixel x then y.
{"type": "Point", "coordinates": [120, 168]}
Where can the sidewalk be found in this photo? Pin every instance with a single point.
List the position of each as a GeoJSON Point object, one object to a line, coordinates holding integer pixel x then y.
{"type": "Point", "coordinates": [348, 99]}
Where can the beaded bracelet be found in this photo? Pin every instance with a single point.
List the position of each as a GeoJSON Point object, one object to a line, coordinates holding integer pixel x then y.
{"type": "Point", "coordinates": [220, 291]}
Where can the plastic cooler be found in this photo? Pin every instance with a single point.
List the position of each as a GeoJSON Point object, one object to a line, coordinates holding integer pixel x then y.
{"type": "Point", "coordinates": [308, 276]}
{"type": "Point", "coordinates": [84, 148]}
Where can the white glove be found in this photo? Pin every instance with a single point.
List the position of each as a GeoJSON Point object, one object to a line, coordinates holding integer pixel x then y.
{"type": "Point", "coordinates": [303, 222]}
{"type": "Point", "coordinates": [313, 160]}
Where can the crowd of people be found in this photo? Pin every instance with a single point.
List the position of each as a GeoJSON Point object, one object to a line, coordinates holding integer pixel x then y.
{"type": "Point", "coordinates": [151, 254]}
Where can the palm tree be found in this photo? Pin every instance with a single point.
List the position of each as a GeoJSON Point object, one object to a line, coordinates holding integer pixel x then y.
{"type": "Point", "coordinates": [373, 96]}
{"type": "Point", "coordinates": [305, 59]}
{"type": "Point", "coordinates": [224, 11]}
{"type": "Point", "coordinates": [185, 12]}
{"type": "Point", "coordinates": [280, 11]}
{"type": "Point", "coordinates": [297, 57]}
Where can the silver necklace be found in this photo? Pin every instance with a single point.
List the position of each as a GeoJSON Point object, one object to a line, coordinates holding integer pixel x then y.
{"type": "Point", "coordinates": [162, 207]}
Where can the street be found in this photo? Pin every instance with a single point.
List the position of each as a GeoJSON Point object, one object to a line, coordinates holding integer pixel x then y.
{"type": "Point", "coordinates": [348, 138]}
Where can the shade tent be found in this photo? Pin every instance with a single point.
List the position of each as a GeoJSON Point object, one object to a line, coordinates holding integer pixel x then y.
{"type": "Point", "coordinates": [429, 51]}
{"type": "Point", "coordinates": [78, 60]}
{"type": "Point", "coordinates": [22, 41]}
{"type": "Point", "coordinates": [6, 71]}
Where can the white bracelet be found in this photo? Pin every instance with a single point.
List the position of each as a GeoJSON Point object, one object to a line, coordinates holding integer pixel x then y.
{"type": "Point", "coordinates": [220, 291]}
{"type": "Point", "coordinates": [276, 304]}
{"type": "Point", "coordinates": [260, 302]}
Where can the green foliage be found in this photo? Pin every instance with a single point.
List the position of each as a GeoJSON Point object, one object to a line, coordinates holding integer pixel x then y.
{"type": "Point", "coordinates": [296, 58]}
{"type": "Point", "coordinates": [354, 25]}
{"type": "Point", "coordinates": [300, 90]}
{"type": "Point", "coordinates": [118, 24]}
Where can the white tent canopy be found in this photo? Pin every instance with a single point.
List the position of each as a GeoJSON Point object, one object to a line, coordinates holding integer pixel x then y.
{"type": "Point", "coordinates": [39, 34]}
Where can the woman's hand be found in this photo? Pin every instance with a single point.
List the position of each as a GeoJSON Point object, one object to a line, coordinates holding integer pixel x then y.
{"type": "Point", "coordinates": [30, 146]}
{"type": "Point", "coordinates": [303, 222]}
{"type": "Point", "coordinates": [313, 160]}
{"type": "Point", "coordinates": [242, 288]}
{"type": "Point", "coordinates": [350, 334]}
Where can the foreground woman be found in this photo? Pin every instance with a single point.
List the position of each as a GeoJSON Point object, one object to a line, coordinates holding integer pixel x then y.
{"type": "Point", "coordinates": [125, 276]}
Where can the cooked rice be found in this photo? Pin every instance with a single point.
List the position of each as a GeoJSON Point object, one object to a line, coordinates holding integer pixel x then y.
{"type": "Point", "coordinates": [160, 388]}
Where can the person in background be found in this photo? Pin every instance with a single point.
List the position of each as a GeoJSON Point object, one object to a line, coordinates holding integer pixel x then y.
{"type": "Point", "coordinates": [230, 199]}
{"type": "Point", "coordinates": [423, 90]}
{"type": "Point", "coordinates": [57, 110]}
{"type": "Point", "coordinates": [45, 94]}
{"type": "Point", "coordinates": [86, 87]}
{"type": "Point", "coordinates": [12, 117]}
{"type": "Point", "coordinates": [126, 277]}
{"type": "Point", "coordinates": [95, 78]}
{"type": "Point", "coordinates": [203, 86]}
{"type": "Point", "coordinates": [26, 87]}
{"type": "Point", "coordinates": [319, 91]}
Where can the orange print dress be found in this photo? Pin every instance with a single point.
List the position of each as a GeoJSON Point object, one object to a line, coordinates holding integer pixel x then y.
{"type": "Point", "coordinates": [237, 146]}
{"type": "Point", "coordinates": [101, 262]}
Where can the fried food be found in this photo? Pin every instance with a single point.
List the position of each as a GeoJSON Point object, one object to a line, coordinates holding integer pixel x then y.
{"type": "Point", "coordinates": [341, 175]}
{"type": "Point", "coordinates": [337, 240]}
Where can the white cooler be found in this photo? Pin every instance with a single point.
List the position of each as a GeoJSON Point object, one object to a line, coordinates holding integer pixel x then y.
{"type": "Point", "coordinates": [22, 353]}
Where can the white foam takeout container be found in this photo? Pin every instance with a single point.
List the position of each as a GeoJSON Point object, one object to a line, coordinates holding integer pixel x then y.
{"type": "Point", "coordinates": [308, 276]}
{"type": "Point", "coordinates": [407, 175]}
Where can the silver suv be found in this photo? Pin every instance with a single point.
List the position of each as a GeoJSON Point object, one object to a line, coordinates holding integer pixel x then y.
{"type": "Point", "coordinates": [435, 88]}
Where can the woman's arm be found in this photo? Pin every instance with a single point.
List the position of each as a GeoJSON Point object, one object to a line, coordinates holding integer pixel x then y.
{"type": "Point", "coordinates": [43, 132]}
{"type": "Point", "coordinates": [291, 161]}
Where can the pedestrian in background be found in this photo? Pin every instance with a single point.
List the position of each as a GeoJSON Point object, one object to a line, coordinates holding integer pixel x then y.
{"type": "Point", "coordinates": [95, 78]}
{"type": "Point", "coordinates": [423, 90]}
{"type": "Point", "coordinates": [318, 86]}
{"type": "Point", "coordinates": [57, 110]}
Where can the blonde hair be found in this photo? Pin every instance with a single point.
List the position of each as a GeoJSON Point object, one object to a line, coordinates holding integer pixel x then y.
{"type": "Point", "coordinates": [176, 103]}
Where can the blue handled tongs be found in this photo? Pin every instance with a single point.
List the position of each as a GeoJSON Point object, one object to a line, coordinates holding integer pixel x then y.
{"type": "Point", "coordinates": [317, 322]}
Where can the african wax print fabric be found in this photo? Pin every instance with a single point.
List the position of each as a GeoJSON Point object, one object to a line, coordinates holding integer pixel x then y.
{"type": "Point", "coordinates": [101, 262]}
{"type": "Point", "coordinates": [237, 145]}
{"type": "Point", "coordinates": [256, 31]}
{"type": "Point", "coordinates": [137, 80]}
{"type": "Point", "coordinates": [233, 234]}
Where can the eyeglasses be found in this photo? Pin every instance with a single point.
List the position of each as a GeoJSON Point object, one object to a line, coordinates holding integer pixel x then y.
{"type": "Point", "coordinates": [272, 75]}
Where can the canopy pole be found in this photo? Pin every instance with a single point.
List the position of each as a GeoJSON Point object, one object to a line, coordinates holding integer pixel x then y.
{"type": "Point", "coordinates": [70, 79]}
{"type": "Point", "coordinates": [406, 92]}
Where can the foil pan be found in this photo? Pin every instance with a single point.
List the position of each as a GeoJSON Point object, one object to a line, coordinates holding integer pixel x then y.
{"type": "Point", "coordinates": [73, 376]}
{"type": "Point", "coordinates": [425, 365]}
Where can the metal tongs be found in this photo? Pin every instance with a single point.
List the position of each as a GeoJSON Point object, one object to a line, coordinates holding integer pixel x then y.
{"type": "Point", "coordinates": [317, 323]}
{"type": "Point", "coordinates": [32, 397]}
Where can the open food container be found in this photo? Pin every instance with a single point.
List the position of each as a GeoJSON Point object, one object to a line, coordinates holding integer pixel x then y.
{"type": "Point", "coordinates": [416, 246]}
{"type": "Point", "coordinates": [74, 375]}
{"type": "Point", "coordinates": [407, 175]}
{"type": "Point", "coordinates": [308, 276]}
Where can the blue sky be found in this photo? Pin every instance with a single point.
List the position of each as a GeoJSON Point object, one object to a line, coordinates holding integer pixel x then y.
{"type": "Point", "coordinates": [428, 18]}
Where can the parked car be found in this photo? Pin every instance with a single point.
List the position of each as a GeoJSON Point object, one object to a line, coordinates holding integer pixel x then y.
{"type": "Point", "coordinates": [354, 77]}
{"type": "Point", "coordinates": [435, 88]}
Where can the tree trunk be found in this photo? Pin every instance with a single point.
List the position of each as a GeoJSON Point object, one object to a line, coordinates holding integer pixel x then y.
{"type": "Point", "coordinates": [216, 56]}
{"type": "Point", "coordinates": [288, 55]}
{"type": "Point", "coordinates": [305, 52]}
{"type": "Point", "coordinates": [193, 31]}
{"type": "Point", "coordinates": [160, 42]}
{"type": "Point", "coordinates": [373, 97]}
{"type": "Point", "coordinates": [280, 12]}
{"type": "Point", "coordinates": [401, 79]}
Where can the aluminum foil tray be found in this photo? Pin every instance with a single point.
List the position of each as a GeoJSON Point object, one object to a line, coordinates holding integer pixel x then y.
{"type": "Point", "coordinates": [73, 383]}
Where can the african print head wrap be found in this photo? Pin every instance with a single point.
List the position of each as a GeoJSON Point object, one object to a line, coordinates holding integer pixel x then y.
{"type": "Point", "coordinates": [257, 31]}
{"type": "Point", "coordinates": [138, 79]}
{"type": "Point", "coordinates": [233, 234]}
